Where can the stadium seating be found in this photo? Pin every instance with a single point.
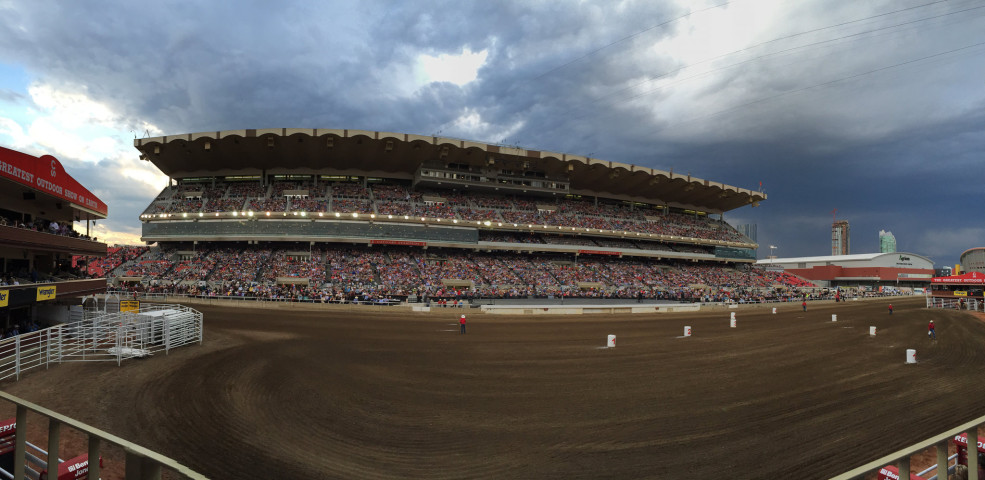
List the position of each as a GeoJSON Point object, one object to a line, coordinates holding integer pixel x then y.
{"type": "Point", "coordinates": [398, 200]}
{"type": "Point", "coordinates": [343, 272]}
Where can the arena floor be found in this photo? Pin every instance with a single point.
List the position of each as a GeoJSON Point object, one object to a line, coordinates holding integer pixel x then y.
{"type": "Point", "coordinates": [295, 394]}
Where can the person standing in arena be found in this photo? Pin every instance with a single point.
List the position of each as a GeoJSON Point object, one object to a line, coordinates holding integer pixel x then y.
{"type": "Point", "coordinates": [930, 330]}
{"type": "Point", "coordinates": [804, 304]}
{"type": "Point", "coordinates": [890, 308]}
{"type": "Point", "coordinates": [461, 321]}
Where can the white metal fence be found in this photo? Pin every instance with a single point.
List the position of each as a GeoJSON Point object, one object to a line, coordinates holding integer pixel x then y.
{"type": "Point", "coordinates": [102, 336]}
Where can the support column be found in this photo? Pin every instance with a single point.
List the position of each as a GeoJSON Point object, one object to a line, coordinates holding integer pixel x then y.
{"type": "Point", "coordinates": [93, 457]}
{"type": "Point", "coordinates": [54, 431]}
{"type": "Point", "coordinates": [20, 442]}
{"type": "Point", "coordinates": [140, 468]}
{"type": "Point", "coordinates": [972, 434]}
{"type": "Point", "coordinates": [942, 460]}
{"type": "Point", "coordinates": [903, 465]}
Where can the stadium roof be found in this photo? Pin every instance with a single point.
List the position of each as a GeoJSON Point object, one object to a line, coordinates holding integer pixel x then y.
{"type": "Point", "coordinates": [401, 155]}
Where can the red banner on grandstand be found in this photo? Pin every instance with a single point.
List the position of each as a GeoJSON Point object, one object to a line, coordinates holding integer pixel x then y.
{"type": "Point", "coordinates": [46, 175]}
{"type": "Point", "coordinates": [599, 252]}
{"type": "Point", "coordinates": [397, 242]}
{"type": "Point", "coordinates": [973, 278]}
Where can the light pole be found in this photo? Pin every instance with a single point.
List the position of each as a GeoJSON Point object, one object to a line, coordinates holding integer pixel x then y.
{"type": "Point", "coordinates": [772, 256]}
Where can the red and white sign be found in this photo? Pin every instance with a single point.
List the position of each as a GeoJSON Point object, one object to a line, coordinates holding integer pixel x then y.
{"type": "Point", "coordinates": [46, 175]}
{"type": "Point", "coordinates": [599, 252]}
{"type": "Point", "coordinates": [73, 469]}
{"type": "Point", "coordinates": [890, 472]}
{"type": "Point", "coordinates": [962, 441]}
{"type": "Point", "coordinates": [398, 242]}
{"type": "Point", "coordinates": [8, 435]}
{"type": "Point", "coordinates": [973, 278]}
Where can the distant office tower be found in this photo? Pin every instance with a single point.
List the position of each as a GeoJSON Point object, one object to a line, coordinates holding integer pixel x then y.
{"type": "Point", "coordinates": [839, 238]}
{"type": "Point", "coordinates": [749, 230]}
{"type": "Point", "coordinates": [887, 242]}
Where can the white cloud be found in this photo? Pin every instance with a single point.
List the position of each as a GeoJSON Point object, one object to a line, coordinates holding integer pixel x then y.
{"type": "Point", "coordinates": [458, 69]}
{"type": "Point", "coordinates": [12, 134]}
{"type": "Point", "coordinates": [471, 125]}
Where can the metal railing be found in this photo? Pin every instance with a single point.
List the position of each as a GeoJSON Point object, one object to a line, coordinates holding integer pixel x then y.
{"type": "Point", "coordinates": [141, 463]}
{"type": "Point", "coordinates": [102, 337]}
{"type": "Point", "coordinates": [901, 458]}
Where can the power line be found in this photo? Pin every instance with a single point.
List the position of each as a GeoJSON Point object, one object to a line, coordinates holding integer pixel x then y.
{"type": "Point", "coordinates": [597, 50]}
{"type": "Point", "coordinates": [831, 82]}
{"type": "Point", "coordinates": [780, 52]}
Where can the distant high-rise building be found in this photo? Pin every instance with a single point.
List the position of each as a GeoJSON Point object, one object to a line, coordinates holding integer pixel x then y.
{"type": "Point", "coordinates": [749, 230]}
{"type": "Point", "coordinates": [839, 238]}
{"type": "Point", "coordinates": [887, 242]}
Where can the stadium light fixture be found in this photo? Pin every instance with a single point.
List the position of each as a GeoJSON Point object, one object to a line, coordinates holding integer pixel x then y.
{"type": "Point", "coordinates": [250, 213]}
{"type": "Point", "coordinates": [389, 217]}
{"type": "Point", "coordinates": [500, 224]}
{"type": "Point", "coordinates": [217, 214]}
{"type": "Point", "coordinates": [268, 214]}
{"type": "Point", "coordinates": [372, 215]}
{"type": "Point", "coordinates": [487, 223]}
{"type": "Point", "coordinates": [422, 219]}
{"type": "Point", "coordinates": [320, 214]}
{"type": "Point", "coordinates": [406, 217]}
{"type": "Point", "coordinates": [200, 214]}
{"type": "Point", "coordinates": [454, 221]}
{"type": "Point", "coordinates": [337, 214]}
{"type": "Point", "coordinates": [235, 213]}
{"type": "Point", "coordinates": [304, 214]}
{"type": "Point", "coordinates": [295, 213]}
{"type": "Point", "coordinates": [185, 215]}
{"type": "Point", "coordinates": [355, 214]}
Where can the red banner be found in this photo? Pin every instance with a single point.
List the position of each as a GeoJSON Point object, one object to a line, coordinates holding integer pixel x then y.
{"type": "Point", "coordinates": [599, 252]}
{"type": "Point", "coordinates": [398, 242]}
{"type": "Point", "coordinates": [973, 278]}
{"type": "Point", "coordinates": [46, 175]}
{"type": "Point", "coordinates": [73, 469]}
{"type": "Point", "coordinates": [890, 472]}
{"type": "Point", "coordinates": [8, 435]}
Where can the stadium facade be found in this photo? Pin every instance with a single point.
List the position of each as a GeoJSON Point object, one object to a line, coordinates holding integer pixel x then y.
{"type": "Point", "coordinates": [866, 270]}
{"type": "Point", "coordinates": [450, 209]}
{"type": "Point", "coordinates": [39, 205]}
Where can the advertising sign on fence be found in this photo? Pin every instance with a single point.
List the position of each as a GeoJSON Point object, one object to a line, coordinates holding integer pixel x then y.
{"type": "Point", "coordinates": [130, 306]}
{"type": "Point", "coordinates": [4, 297]}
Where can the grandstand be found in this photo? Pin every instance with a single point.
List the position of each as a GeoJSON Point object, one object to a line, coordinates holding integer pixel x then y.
{"type": "Point", "coordinates": [342, 214]}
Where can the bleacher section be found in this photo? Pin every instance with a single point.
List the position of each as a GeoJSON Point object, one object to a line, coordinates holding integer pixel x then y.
{"type": "Point", "coordinates": [395, 199]}
{"type": "Point", "coordinates": [290, 270]}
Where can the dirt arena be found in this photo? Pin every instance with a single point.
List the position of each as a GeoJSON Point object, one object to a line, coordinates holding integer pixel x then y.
{"type": "Point", "coordinates": [302, 394]}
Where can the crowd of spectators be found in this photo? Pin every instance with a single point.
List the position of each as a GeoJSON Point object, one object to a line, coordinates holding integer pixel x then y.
{"type": "Point", "coordinates": [65, 229]}
{"type": "Point", "coordinates": [402, 200]}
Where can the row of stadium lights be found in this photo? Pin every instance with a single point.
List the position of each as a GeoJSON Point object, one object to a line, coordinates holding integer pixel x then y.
{"type": "Point", "coordinates": [406, 217]}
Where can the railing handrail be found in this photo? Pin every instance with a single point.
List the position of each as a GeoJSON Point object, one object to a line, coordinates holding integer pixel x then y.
{"type": "Point", "coordinates": [905, 452]}
{"type": "Point", "coordinates": [104, 435]}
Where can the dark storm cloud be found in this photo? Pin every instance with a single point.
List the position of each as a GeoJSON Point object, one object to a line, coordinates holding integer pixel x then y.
{"type": "Point", "coordinates": [831, 105]}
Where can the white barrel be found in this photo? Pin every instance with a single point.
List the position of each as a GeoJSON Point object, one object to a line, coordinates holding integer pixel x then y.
{"type": "Point", "coordinates": [687, 331]}
{"type": "Point", "coordinates": [611, 341]}
{"type": "Point", "coordinates": [774, 310]}
{"type": "Point", "coordinates": [911, 355]}
{"type": "Point", "coordinates": [732, 316]}
{"type": "Point", "coordinates": [834, 318]}
{"type": "Point", "coordinates": [731, 323]}
{"type": "Point", "coordinates": [872, 331]}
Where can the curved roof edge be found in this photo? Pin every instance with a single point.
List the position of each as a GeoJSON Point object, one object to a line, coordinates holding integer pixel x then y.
{"type": "Point", "coordinates": [601, 173]}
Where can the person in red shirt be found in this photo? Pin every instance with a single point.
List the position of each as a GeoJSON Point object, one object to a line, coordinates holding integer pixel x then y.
{"type": "Point", "coordinates": [804, 304]}
{"type": "Point", "coordinates": [890, 308]}
{"type": "Point", "coordinates": [930, 330]}
{"type": "Point", "coordinates": [461, 321]}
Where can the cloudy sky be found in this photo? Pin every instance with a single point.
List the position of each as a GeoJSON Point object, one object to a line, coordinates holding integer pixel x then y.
{"type": "Point", "coordinates": [875, 108]}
